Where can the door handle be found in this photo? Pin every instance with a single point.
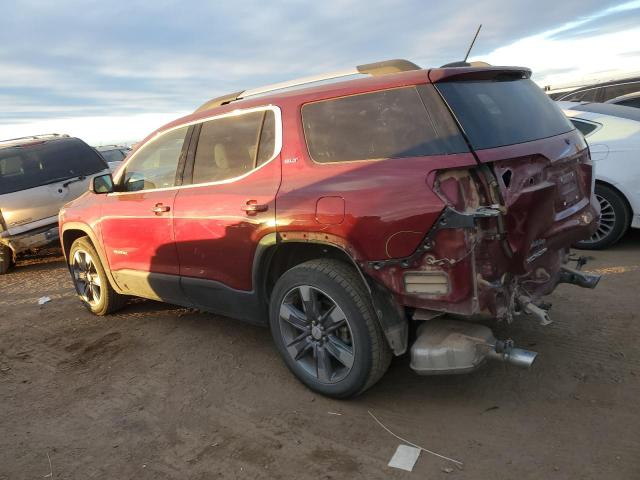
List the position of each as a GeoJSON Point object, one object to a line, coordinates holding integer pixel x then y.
{"type": "Point", "coordinates": [160, 208]}
{"type": "Point", "coordinates": [252, 207]}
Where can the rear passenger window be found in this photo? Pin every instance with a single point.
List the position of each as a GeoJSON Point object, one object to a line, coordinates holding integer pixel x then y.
{"type": "Point", "coordinates": [231, 146]}
{"type": "Point", "coordinates": [396, 123]}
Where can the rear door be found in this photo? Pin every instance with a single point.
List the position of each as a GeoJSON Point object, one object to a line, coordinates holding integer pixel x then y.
{"type": "Point", "coordinates": [229, 206]}
{"type": "Point", "coordinates": [137, 220]}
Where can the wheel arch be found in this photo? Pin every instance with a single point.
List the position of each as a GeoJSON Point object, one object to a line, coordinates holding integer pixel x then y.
{"type": "Point", "coordinates": [74, 230]}
{"type": "Point", "coordinates": [278, 254]}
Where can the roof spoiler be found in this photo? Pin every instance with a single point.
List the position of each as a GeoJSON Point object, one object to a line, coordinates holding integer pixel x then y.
{"type": "Point", "coordinates": [480, 72]}
{"type": "Point", "coordinates": [384, 67]}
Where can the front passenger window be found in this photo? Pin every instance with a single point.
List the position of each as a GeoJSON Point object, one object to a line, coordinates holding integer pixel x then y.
{"type": "Point", "coordinates": [155, 165]}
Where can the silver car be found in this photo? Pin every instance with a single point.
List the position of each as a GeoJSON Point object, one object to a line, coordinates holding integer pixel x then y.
{"type": "Point", "coordinates": [38, 175]}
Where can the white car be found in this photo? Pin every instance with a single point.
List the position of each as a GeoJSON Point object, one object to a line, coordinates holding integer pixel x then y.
{"type": "Point", "coordinates": [613, 134]}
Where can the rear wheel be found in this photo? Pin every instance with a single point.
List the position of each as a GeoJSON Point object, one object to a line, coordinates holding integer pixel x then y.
{"type": "Point", "coordinates": [90, 279]}
{"type": "Point", "coordinates": [613, 222]}
{"type": "Point", "coordinates": [324, 326]}
{"type": "Point", "coordinates": [6, 259]}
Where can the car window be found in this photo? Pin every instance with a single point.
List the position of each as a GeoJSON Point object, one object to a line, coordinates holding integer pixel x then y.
{"type": "Point", "coordinates": [395, 123]}
{"type": "Point", "coordinates": [112, 155]}
{"type": "Point", "coordinates": [585, 127]}
{"type": "Point", "coordinates": [495, 113]}
{"type": "Point", "coordinates": [28, 166]}
{"type": "Point", "coordinates": [620, 89]}
{"type": "Point", "coordinates": [631, 102]}
{"type": "Point", "coordinates": [231, 146]}
{"type": "Point", "coordinates": [155, 165]}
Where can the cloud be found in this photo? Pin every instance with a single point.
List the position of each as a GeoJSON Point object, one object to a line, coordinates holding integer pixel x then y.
{"type": "Point", "coordinates": [75, 58]}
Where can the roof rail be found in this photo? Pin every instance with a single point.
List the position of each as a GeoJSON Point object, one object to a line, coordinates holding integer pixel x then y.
{"type": "Point", "coordinates": [374, 69]}
{"type": "Point", "coordinates": [43, 136]}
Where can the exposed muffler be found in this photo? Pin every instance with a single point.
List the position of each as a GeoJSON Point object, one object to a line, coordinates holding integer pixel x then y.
{"type": "Point", "coordinates": [450, 346]}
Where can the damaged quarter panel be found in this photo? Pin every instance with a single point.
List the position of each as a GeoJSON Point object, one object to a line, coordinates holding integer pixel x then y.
{"type": "Point", "coordinates": [380, 192]}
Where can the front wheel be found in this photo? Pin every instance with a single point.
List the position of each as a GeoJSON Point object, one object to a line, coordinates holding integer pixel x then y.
{"type": "Point", "coordinates": [90, 279]}
{"type": "Point", "coordinates": [324, 326]}
{"type": "Point", "coordinates": [613, 222]}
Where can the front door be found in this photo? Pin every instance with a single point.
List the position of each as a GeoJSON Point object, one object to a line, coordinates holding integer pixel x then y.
{"type": "Point", "coordinates": [229, 206]}
{"type": "Point", "coordinates": [137, 220]}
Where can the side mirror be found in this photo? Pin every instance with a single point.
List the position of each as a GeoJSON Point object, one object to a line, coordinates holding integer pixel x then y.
{"type": "Point", "coordinates": [102, 184]}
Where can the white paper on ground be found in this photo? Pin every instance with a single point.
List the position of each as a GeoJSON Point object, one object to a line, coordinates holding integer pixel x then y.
{"type": "Point", "coordinates": [43, 300]}
{"type": "Point", "coordinates": [405, 457]}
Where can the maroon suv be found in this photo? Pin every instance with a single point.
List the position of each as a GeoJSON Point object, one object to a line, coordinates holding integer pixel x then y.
{"type": "Point", "coordinates": [346, 213]}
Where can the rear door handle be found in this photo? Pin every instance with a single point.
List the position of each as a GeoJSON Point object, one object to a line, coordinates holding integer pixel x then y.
{"type": "Point", "coordinates": [160, 208]}
{"type": "Point", "coordinates": [252, 207]}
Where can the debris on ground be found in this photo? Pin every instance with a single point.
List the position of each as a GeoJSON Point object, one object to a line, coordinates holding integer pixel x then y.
{"type": "Point", "coordinates": [413, 444]}
{"type": "Point", "coordinates": [43, 300]}
{"type": "Point", "coordinates": [405, 457]}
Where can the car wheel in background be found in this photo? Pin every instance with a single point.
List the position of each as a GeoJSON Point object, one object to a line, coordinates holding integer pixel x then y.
{"type": "Point", "coordinates": [325, 328]}
{"type": "Point", "coordinates": [90, 279]}
{"type": "Point", "coordinates": [613, 222]}
{"type": "Point", "coordinates": [6, 259]}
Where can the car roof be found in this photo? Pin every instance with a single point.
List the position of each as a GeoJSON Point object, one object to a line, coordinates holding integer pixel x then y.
{"type": "Point", "coordinates": [334, 89]}
{"type": "Point", "coordinates": [34, 140]}
{"type": "Point", "coordinates": [610, 109]}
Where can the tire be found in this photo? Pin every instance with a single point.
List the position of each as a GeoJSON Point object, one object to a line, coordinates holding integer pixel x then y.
{"type": "Point", "coordinates": [613, 222]}
{"type": "Point", "coordinates": [344, 352]}
{"type": "Point", "coordinates": [6, 259]}
{"type": "Point", "coordinates": [90, 280]}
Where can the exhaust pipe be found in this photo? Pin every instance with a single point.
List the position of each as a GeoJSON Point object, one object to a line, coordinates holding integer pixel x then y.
{"type": "Point", "coordinates": [447, 346]}
{"type": "Point", "coordinates": [506, 352]}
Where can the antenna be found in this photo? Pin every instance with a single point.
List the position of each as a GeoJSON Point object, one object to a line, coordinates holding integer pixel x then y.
{"type": "Point", "coordinates": [472, 42]}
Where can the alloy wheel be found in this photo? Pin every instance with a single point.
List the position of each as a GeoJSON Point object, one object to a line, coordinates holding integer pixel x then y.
{"type": "Point", "coordinates": [86, 277]}
{"type": "Point", "coordinates": [316, 333]}
{"type": "Point", "coordinates": [606, 221]}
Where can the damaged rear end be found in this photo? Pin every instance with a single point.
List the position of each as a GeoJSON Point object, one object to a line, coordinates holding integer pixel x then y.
{"type": "Point", "coordinates": [502, 241]}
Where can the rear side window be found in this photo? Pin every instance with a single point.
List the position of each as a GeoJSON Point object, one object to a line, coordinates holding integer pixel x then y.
{"type": "Point", "coordinates": [585, 127]}
{"type": "Point", "coordinates": [396, 123]}
{"type": "Point", "coordinates": [231, 146]}
{"type": "Point", "coordinates": [30, 166]}
{"type": "Point", "coordinates": [503, 112]}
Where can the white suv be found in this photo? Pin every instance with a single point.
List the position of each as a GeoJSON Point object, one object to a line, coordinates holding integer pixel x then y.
{"type": "Point", "coordinates": [38, 175]}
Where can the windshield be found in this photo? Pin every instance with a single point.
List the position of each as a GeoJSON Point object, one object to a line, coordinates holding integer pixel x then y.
{"type": "Point", "coordinates": [112, 155]}
{"type": "Point", "coordinates": [29, 166]}
{"type": "Point", "coordinates": [503, 112]}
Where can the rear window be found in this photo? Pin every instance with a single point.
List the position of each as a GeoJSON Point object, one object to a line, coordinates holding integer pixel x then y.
{"type": "Point", "coordinates": [396, 123]}
{"type": "Point", "coordinates": [503, 112]}
{"type": "Point", "coordinates": [34, 165]}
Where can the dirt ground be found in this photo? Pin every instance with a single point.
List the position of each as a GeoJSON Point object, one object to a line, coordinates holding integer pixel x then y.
{"type": "Point", "coordinates": [159, 392]}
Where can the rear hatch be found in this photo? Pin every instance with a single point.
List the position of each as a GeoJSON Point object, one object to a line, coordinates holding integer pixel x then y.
{"type": "Point", "coordinates": [37, 178]}
{"type": "Point", "coordinates": [531, 154]}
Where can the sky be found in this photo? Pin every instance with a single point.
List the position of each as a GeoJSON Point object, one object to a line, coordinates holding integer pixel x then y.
{"type": "Point", "coordinates": [114, 71]}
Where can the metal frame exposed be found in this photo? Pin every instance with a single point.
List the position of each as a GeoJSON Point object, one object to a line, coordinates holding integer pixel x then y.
{"type": "Point", "coordinates": [374, 69]}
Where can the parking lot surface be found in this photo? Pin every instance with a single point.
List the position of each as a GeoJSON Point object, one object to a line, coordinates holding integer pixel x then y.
{"type": "Point", "coordinates": [157, 391]}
